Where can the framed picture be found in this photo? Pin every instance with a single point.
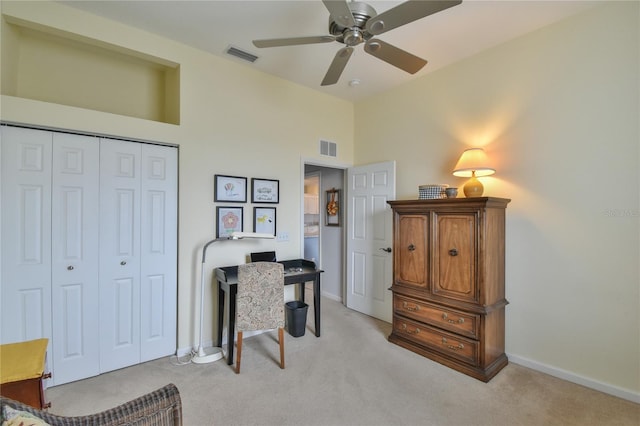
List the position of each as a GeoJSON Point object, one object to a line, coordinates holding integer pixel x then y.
{"type": "Point", "coordinates": [231, 189]}
{"type": "Point", "coordinates": [229, 220]}
{"type": "Point", "coordinates": [264, 220]}
{"type": "Point", "coordinates": [265, 191]}
{"type": "Point", "coordinates": [332, 211]}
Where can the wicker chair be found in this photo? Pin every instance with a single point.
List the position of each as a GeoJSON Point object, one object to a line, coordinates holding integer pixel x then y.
{"type": "Point", "coordinates": [162, 407]}
{"type": "Point", "coordinates": [260, 302]}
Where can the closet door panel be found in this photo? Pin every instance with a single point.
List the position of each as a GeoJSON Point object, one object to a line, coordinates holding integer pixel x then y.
{"type": "Point", "coordinates": [158, 251]}
{"type": "Point", "coordinates": [75, 257]}
{"type": "Point", "coordinates": [119, 254]}
{"type": "Point", "coordinates": [26, 234]}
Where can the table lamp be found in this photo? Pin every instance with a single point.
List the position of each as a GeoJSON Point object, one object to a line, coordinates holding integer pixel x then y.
{"type": "Point", "coordinates": [473, 163]}
{"type": "Point", "coordinates": [206, 355]}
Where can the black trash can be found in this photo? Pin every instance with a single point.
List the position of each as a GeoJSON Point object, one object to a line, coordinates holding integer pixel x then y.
{"type": "Point", "coordinates": [296, 317]}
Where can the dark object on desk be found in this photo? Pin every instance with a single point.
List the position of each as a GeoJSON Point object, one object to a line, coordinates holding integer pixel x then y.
{"type": "Point", "coordinates": [160, 407]}
{"type": "Point", "coordinates": [259, 303]}
{"type": "Point", "coordinates": [227, 278]}
{"type": "Point", "coordinates": [263, 256]}
{"type": "Point", "coordinates": [296, 317]}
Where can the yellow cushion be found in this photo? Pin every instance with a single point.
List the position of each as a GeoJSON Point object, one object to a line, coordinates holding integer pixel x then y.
{"type": "Point", "coordinates": [22, 361]}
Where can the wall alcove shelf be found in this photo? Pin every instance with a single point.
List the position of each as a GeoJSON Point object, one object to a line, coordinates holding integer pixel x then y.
{"type": "Point", "coordinates": [51, 65]}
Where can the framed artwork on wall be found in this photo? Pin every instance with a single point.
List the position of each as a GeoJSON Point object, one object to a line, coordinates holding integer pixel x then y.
{"type": "Point", "coordinates": [230, 189]}
{"type": "Point", "coordinates": [265, 191]}
{"type": "Point", "coordinates": [264, 220]}
{"type": "Point", "coordinates": [228, 220]}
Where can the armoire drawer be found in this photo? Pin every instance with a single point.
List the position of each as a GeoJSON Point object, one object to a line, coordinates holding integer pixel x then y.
{"type": "Point", "coordinates": [459, 322]}
{"type": "Point", "coordinates": [439, 340]}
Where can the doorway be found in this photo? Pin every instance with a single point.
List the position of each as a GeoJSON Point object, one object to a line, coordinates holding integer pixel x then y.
{"type": "Point", "coordinates": [324, 242]}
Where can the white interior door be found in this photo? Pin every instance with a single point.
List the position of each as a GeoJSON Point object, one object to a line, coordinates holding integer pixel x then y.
{"type": "Point", "coordinates": [26, 234]}
{"type": "Point", "coordinates": [369, 236]}
{"type": "Point", "coordinates": [75, 257]}
{"type": "Point", "coordinates": [159, 246]}
{"type": "Point", "coordinates": [119, 254]}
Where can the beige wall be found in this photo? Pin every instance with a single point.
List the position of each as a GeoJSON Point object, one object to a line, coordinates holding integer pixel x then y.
{"type": "Point", "coordinates": [234, 121]}
{"type": "Point", "coordinates": [557, 110]}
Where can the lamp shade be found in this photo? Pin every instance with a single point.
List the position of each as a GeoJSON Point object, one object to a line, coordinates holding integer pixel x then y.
{"type": "Point", "coordinates": [473, 160]}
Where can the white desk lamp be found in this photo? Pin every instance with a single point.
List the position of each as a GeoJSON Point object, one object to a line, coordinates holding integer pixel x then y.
{"type": "Point", "coordinates": [206, 355]}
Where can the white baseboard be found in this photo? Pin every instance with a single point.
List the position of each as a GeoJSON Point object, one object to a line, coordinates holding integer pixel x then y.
{"type": "Point", "coordinates": [332, 297]}
{"type": "Point", "coordinates": [569, 376]}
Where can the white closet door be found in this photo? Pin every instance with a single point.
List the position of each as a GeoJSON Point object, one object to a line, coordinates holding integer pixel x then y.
{"type": "Point", "coordinates": [26, 234]}
{"type": "Point", "coordinates": [159, 251]}
{"type": "Point", "coordinates": [119, 254]}
{"type": "Point", "coordinates": [75, 259]}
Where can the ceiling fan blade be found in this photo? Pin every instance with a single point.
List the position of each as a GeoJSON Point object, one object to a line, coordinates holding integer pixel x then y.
{"type": "Point", "coordinates": [278, 42]}
{"type": "Point", "coordinates": [340, 12]}
{"type": "Point", "coordinates": [406, 12]}
{"type": "Point", "coordinates": [394, 56]}
{"type": "Point", "coordinates": [337, 66]}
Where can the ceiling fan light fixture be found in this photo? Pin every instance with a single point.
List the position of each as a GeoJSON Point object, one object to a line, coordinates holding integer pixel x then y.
{"type": "Point", "coordinates": [352, 37]}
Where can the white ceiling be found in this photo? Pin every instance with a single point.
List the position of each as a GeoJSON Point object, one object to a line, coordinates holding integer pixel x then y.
{"type": "Point", "coordinates": [442, 38]}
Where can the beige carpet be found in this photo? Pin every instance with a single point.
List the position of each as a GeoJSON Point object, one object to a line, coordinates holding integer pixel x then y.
{"type": "Point", "coordinates": [351, 375]}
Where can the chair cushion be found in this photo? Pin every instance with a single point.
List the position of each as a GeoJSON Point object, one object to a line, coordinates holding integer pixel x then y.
{"type": "Point", "coordinates": [260, 297]}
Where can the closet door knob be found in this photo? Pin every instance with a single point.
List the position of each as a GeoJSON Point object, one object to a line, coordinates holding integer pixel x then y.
{"type": "Point", "coordinates": [69, 268]}
{"type": "Point", "coordinates": [124, 262]}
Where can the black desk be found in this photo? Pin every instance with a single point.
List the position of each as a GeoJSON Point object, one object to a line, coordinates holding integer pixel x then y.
{"type": "Point", "coordinates": [227, 278]}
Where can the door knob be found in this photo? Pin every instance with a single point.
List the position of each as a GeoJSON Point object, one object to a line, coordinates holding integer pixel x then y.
{"type": "Point", "coordinates": [70, 268]}
{"type": "Point", "coordinates": [388, 249]}
{"type": "Point", "coordinates": [124, 262]}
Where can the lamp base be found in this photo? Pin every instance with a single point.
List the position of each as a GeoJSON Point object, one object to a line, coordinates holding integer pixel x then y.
{"type": "Point", "coordinates": [207, 355]}
{"type": "Point", "coordinates": [473, 188]}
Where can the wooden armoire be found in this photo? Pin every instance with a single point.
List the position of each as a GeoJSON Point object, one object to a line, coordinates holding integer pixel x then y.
{"type": "Point", "coordinates": [448, 282]}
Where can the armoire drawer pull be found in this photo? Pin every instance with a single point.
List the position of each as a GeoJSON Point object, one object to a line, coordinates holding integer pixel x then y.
{"type": "Point", "coordinates": [446, 318]}
{"type": "Point", "coordinates": [414, 308]}
{"type": "Point", "coordinates": [404, 328]}
{"type": "Point", "coordinates": [453, 252]}
{"type": "Point", "coordinates": [411, 247]}
{"type": "Point", "coordinates": [453, 348]}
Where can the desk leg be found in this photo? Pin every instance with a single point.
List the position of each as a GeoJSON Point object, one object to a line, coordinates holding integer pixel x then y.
{"type": "Point", "coordinates": [221, 297]}
{"type": "Point", "coordinates": [231, 338]}
{"type": "Point", "coordinates": [316, 303]}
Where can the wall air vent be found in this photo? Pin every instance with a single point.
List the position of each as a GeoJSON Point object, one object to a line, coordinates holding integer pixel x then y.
{"type": "Point", "coordinates": [329, 149]}
{"type": "Point", "coordinates": [246, 56]}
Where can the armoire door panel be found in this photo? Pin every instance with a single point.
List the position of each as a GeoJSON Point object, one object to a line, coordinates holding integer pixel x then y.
{"type": "Point", "coordinates": [26, 234]}
{"type": "Point", "coordinates": [411, 250]}
{"type": "Point", "coordinates": [75, 257]}
{"type": "Point", "coordinates": [455, 262]}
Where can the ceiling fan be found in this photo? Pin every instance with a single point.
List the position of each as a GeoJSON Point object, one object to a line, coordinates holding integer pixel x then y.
{"type": "Point", "coordinates": [355, 23]}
